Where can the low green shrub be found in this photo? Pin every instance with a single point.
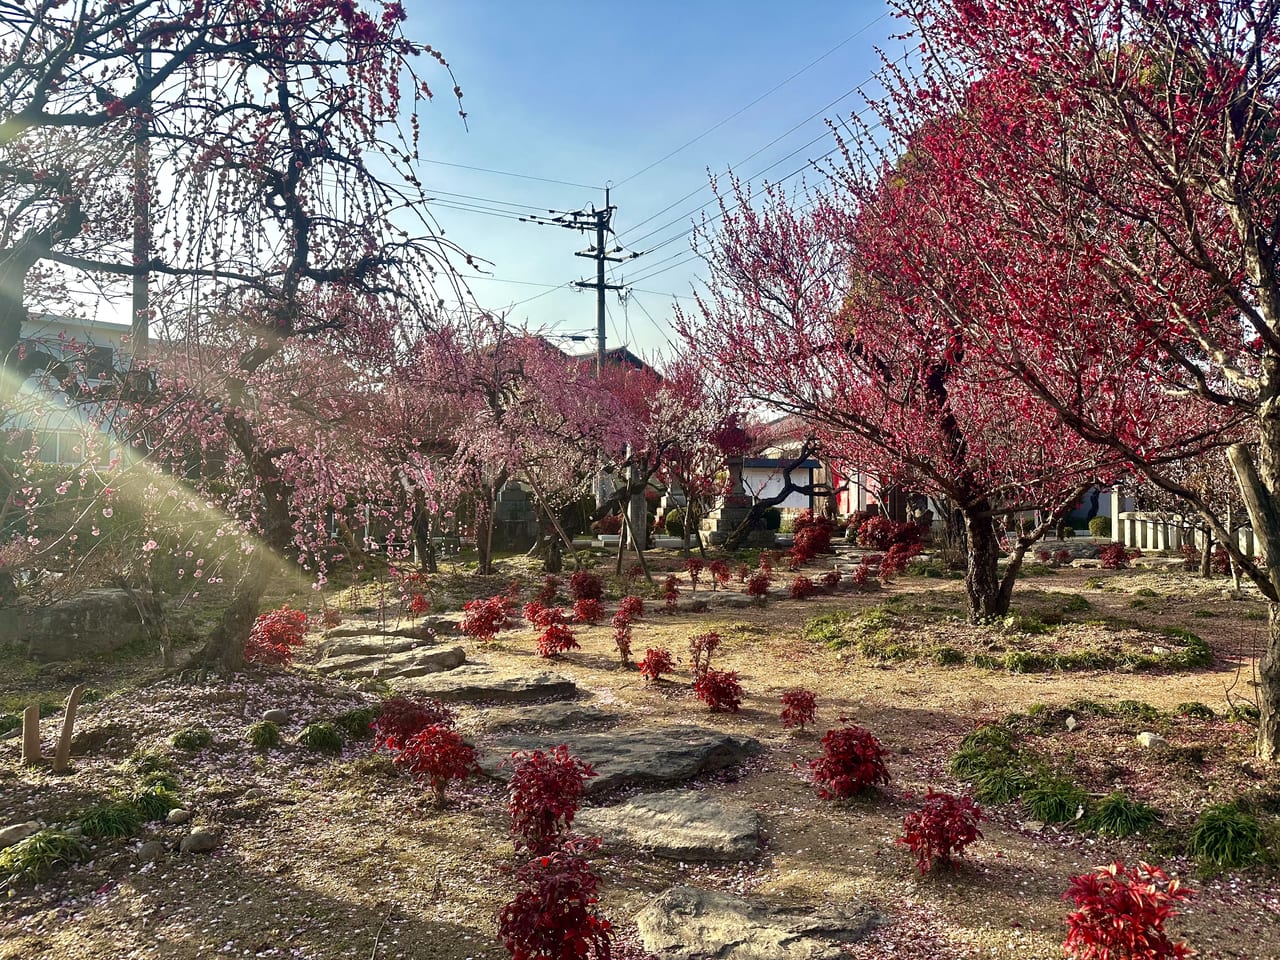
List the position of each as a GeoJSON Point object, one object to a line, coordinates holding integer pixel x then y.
{"type": "Point", "coordinates": [1054, 799]}
{"type": "Point", "coordinates": [1090, 707]}
{"type": "Point", "coordinates": [321, 737]}
{"type": "Point", "coordinates": [35, 857]}
{"type": "Point", "coordinates": [1137, 710]}
{"type": "Point", "coordinates": [194, 737]}
{"type": "Point", "coordinates": [1001, 784]}
{"type": "Point", "coordinates": [1074, 603]}
{"type": "Point", "coordinates": [1145, 592]}
{"type": "Point", "coordinates": [1244, 712]}
{"type": "Point", "coordinates": [1085, 660]}
{"type": "Point", "coordinates": [1195, 709]}
{"type": "Point", "coordinates": [1095, 583]}
{"type": "Point", "coordinates": [827, 629]}
{"type": "Point", "coordinates": [1100, 527]}
{"type": "Point", "coordinates": [1226, 837]}
{"type": "Point", "coordinates": [148, 762]}
{"type": "Point", "coordinates": [263, 735]}
{"type": "Point", "coordinates": [1118, 816]}
{"type": "Point", "coordinates": [987, 662]}
{"type": "Point", "coordinates": [948, 656]}
{"type": "Point", "coordinates": [119, 818]}
{"type": "Point", "coordinates": [154, 801]}
{"type": "Point", "coordinates": [355, 722]}
{"type": "Point", "coordinates": [1027, 661]}
{"type": "Point", "coordinates": [1025, 623]}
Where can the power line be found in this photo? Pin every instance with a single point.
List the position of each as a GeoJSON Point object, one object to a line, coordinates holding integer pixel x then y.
{"type": "Point", "coordinates": [508, 173]}
{"type": "Point", "coordinates": [767, 93]}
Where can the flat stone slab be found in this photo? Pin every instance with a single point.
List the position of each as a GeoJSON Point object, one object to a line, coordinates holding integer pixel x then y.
{"type": "Point", "coordinates": [421, 630]}
{"type": "Point", "coordinates": [369, 645]}
{"type": "Point", "coordinates": [409, 663]}
{"type": "Point", "coordinates": [481, 683]}
{"type": "Point", "coordinates": [550, 716]}
{"type": "Point", "coordinates": [665, 755]}
{"type": "Point", "coordinates": [685, 923]}
{"type": "Point", "coordinates": [677, 825]}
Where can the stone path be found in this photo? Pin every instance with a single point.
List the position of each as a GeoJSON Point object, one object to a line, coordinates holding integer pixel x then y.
{"type": "Point", "coordinates": [662, 755]}
{"type": "Point", "coordinates": [685, 923]}
{"type": "Point", "coordinates": [677, 825]}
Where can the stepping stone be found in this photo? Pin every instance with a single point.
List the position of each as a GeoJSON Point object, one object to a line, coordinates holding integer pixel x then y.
{"type": "Point", "coordinates": [665, 755]}
{"type": "Point", "coordinates": [369, 645]}
{"type": "Point", "coordinates": [685, 923]}
{"type": "Point", "coordinates": [550, 716]}
{"type": "Point", "coordinates": [409, 663]}
{"type": "Point", "coordinates": [677, 825]}
{"type": "Point", "coordinates": [421, 630]}
{"type": "Point", "coordinates": [481, 683]}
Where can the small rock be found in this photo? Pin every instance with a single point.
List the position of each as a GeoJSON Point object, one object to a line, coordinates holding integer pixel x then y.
{"type": "Point", "coordinates": [1151, 740]}
{"type": "Point", "coordinates": [199, 841]}
{"type": "Point", "coordinates": [1031, 826]}
{"type": "Point", "coordinates": [178, 815]}
{"type": "Point", "coordinates": [254, 793]}
{"type": "Point", "coordinates": [151, 850]}
{"type": "Point", "coordinates": [1071, 722]}
{"type": "Point", "coordinates": [19, 831]}
{"type": "Point", "coordinates": [276, 716]}
{"type": "Point", "coordinates": [1159, 651]}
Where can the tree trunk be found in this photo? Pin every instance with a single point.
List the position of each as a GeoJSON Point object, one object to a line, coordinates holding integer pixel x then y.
{"type": "Point", "coordinates": [982, 585]}
{"type": "Point", "coordinates": [225, 645]}
{"type": "Point", "coordinates": [1206, 555]}
{"type": "Point", "coordinates": [423, 521]}
{"type": "Point", "coordinates": [1268, 747]}
{"type": "Point", "coordinates": [484, 533]}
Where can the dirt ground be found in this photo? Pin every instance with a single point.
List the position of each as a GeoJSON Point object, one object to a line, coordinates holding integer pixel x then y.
{"type": "Point", "coordinates": [338, 857]}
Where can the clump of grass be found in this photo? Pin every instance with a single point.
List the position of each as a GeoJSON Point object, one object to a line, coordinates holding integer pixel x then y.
{"type": "Point", "coordinates": [119, 818]}
{"type": "Point", "coordinates": [1194, 652]}
{"type": "Point", "coordinates": [1090, 707]}
{"type": "Point", "coordinates": [1001, 784]}
{"type": "Point", "coordinates": [355, 723]}
{"type": "Point", "coordinates": [194, 737]}
{"type": "Point", "coordinates": [1095, 583]}
{"type": "Point", "coordinates": [321, 737]}
{"type": "Point", "coordinates": [92, 695]}
{"type": "Point", "coordinates": [987, 662]}
{"type": "Point", "coordinates": [159, 779]}
{"type": "Point", "coordinates": [948, 656]}
{"type": "Point", "coordinates": [263, 735]}
{"type": "Point", "coordinates": [827, 629]}
{"type": "Point", "coordinates": [1118, 816]}
{"type": "Point", "coordinates": [1226, 837]}
{"type": "Point", "coordinates": [149, 761]}
{"type": "Point", "coordinates": [989, 759]}
{"type": "Point", "coordinates": [1085, 660]}
{"type": "Point", "coordinates": [1054, 799]}
{"type": "Point", "coordinates": [1145, 592]}
{"type": "Point", "coordinates": [1137, 710]}
{"type": "Point", "coordinates": [154, 802]}
{"type": "Point", "coordinates": [1195, 709]}
{"type": "Point", "coordinates": [9, 721]}
{"type": "Point", "coordinates": [1027, 661]}
{"type": "Point", "coordinates": [1074, 603]}
{"type": "Point", "coordinates": [1203, 614]}
{"type": "Point", "coordinates": [1025, 623]}
{"type": "Point", "coordinates": [1244, 712]}
{"type": "Point", "coordinates": [30, 859]}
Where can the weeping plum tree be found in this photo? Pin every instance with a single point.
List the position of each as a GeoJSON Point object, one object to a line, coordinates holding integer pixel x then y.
{"type": "Point", "coordinates": [805, 315]}
{"type": "Point", "coordinates": [1134, 146]}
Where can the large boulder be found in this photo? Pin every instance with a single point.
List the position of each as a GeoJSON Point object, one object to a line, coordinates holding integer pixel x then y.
{"type": "Point", "coordinates": [481, 683]}
{"type": "Point", "coordinates": [90, 623]}
{"type": "Point", "coordinates": [685, 923]}
{"type": "Point", "coordinates": [415, 662]}
{"type": "Point", "coordinates": [677, 825]}
{"type": "Point", "coordinates": [660, 755]}
{"type": "Point", "coordinates": [549, 716]}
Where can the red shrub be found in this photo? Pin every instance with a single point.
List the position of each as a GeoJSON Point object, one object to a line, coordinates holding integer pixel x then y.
{"type": "Point", "coordinates": [895, 561]}
{"type": "Point", "coordinates": [881, 533]}
{"type": "Point", "coordinates": [719, 573]}
{"type": "Point", "coordinates": [547, 592]}
{"type": "Point", "coordinates": [1121, 914]}
{"type": "Point", "coordinates": [543, 797]}
{"type": "Point", "coordinates": [632, 606]}
{"type": "Point", "coordinates": [635, 572]}
{"type": "Point", "coordinates": [656, 663]}
{"type": "Point", "coordinates": [693, 566]}
{"type": "Point", "coordinates": [861, 574]}
{"type": "Point", "coordinates": [744, 573]}
{"type": "Point", "coordinates": [482, 619]}
{"type": "Point", "coordinates": [555, 915]}
{"type": "Point", "coordinates": [758, 587]}
{"type": "Point", "coordinates": [1220, 561]}
{"type": "Point", "coordinates": [584, 585]}
{"type": "Point", "coordinates": [766, 561]}
{"type": "Point", "coordinates": [438, 755]}
{"type": "Point", "coordinates": [719, 690]}
{"type": "Point", "coordinates": [331, 617]}
{"type": "Point", "coordinates": [274, 635]}
{"type": "Point", "coordinates": [830, 580]}
{"type": "Point", "coordinates": [671, 592]}
{"type": "Point", "coordinates": [1114, 556]}
{"type": "Point", "coordinates": [403, 716]}
{"type": "Point", "coordinates": [942, 827]}
{"type": "Point", "coordinates": [609, 526]}
{"type": "Point", "coordinates": [799, 708]}
{"type": "Point", "coordinates": [852, 760]}
{"type": "Point", "coordinates": [802, 588]}
{"type": "Point", "coordinates": [587, 610]}
{"type": "Point", "coordinates": [534, 611]}
{"type": "Point", "coordinates": [701, 647]}
{"type": "Point", "coordinates": [812, 536]}
{"type": "Point", "coordinates": [418, 605]}
{"type": "Point", "coordinates": [556, 637]}
{"type": "Point", "coordinates": [1062, 558]}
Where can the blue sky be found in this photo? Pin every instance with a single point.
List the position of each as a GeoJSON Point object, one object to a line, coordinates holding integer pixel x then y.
{"type": "Point", "coordinates": [588, 93]}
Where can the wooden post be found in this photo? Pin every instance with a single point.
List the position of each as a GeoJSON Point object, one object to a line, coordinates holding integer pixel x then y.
{"type": "Point", "coordinates": [31, 735]}
{"type": "Point", "coordinates": [62, 756]}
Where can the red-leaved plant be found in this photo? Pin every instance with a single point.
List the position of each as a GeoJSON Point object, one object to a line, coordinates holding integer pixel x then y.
{"type": "Point", "coordinates": [1116, 556]}
{"type": "Point", "coordinates": [799, 708]}
{"type": "Point", "coordinates": [802, 588]}
{"type": "Point", "coordinates": [555, 915]}
{"type": "Point", "coordinates": [1120, 914]}
{"type": "Point", "coordinates": [719, 690]}
{"type": "Point", "coordinates": [693, 566]}
{"type": "Point", "coordinates": [852, 761]}
{"type": "Point", "coordinates": [543, 796]}
{"type": "Point", "coordinates": [547, 592]}
{"type": "Point", "coordinates": [587, 610]}
{"type": "Point", "coordinates": [895, 561]}
{"type": "Point", "coordinates": [656, 663]}
{"type": "Point", "coordinates": [719, 573]}
{"type": "Point", "coordinates": [483, 618]}
{"type": "Point", "coordinates": [331, 617]}
{"type": "Point", "coordinates": [701, 647]}
{"type": "Point", "coordinates": [274, 635]}
{"type": "Point", "coordinates": [861, 573]}
{"type": "Point", "coordinates": [403, 716]}
{"type": "Point", "coordinates": [584, 585]}
{"type": "Point", "coordinates": [758, 587]}
{"type": "Point", "coordinates": [556, 637]}
{"type": "Point", "coordinates": [439, 756]}
{"type": "Point", "coordinates": [670, 592]}
{"type": "Point", "coordinates": [632, 606]}
{"type": "Point", "coordinates": [941, 829]}
{"type": "Point", "coordinates": [830, 580]}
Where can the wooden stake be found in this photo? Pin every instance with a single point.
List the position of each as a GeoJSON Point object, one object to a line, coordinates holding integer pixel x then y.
{"type": "Point", "coordinates": [31, 735]}
{"type": "Point", "coordinates": [62, 756]}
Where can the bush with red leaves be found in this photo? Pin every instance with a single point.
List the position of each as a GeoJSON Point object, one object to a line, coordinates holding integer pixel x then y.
{"type": "Point", "coordinates": [812, 536]}
{"type": "Point", "coordinates": [719, 690]}
{"type": "Point", "coordinates": [744, 573]}
{"type": "Point", "coordinates": [622, 636]}
{"type": "Point", "coordinates": [403, 716]}
{"type": "Point", "coordinates": [861, 573]}
{"type": "Point", "coordinates": [766, 561]}
{"type": "Point", "coordinates": [693, 566]}
{"type": "Point", "coordinates": [656, 663]}
{"type": "Point", "coordinates": [547, 592]}
{"type": "Point", "coordinates": [830, 580]}
{"type": "Point", "coordinates": [418, 605]}
{"type": "Point", "coordinates": [852, 761]}
{"type": "Point", "coordinates": [331, 617]}
{"type": "Point", "coordinates": [635, 572]}
{"type": "Point", "coordinates": [1115, 556]}
{"type": "Point", "coordinates": [556, 637]}
{"type": "Point", "coordinates": [881, 533]}
{"type": "Point", "coordinates": [609, 526]}
{"type": "Point", "coordinates": [670, 592]}
{"type": "Point", "coordinates": [895, 561]}
{"type": "Point", "coordinates": [483, 618]}
{"type": "Point", "coordinates": [555, 916]}
{"type": "Point", "coordinates": [438, 755]}
{"type": "Point", "coordinates": [701, 647]}
{"type": "Point", "coordinates": [587, 610]}
{"type": "Point", "coordinates": [758, 587]}
{"type": "Point", "coordinates": [585, 585]}
{"type": "Point", "coordinates": [799, 708]}
{"type": "Point", "coordinates": [1120, 914]}
{"type": "Point", "coordinates": [719, 573]}
{"type": "Point", "coordinates": [274, 635]}
{"type": "Point", "coordinates": [942, 827]}
{"type": "Point", "coordinates": [543, 796]}
{"type": "Point", "coordinates": [632, 606]}
{"type": "Point", "coordinates": [1062, 558]}
{"type": "Point", "coordinates": [802, 588]}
